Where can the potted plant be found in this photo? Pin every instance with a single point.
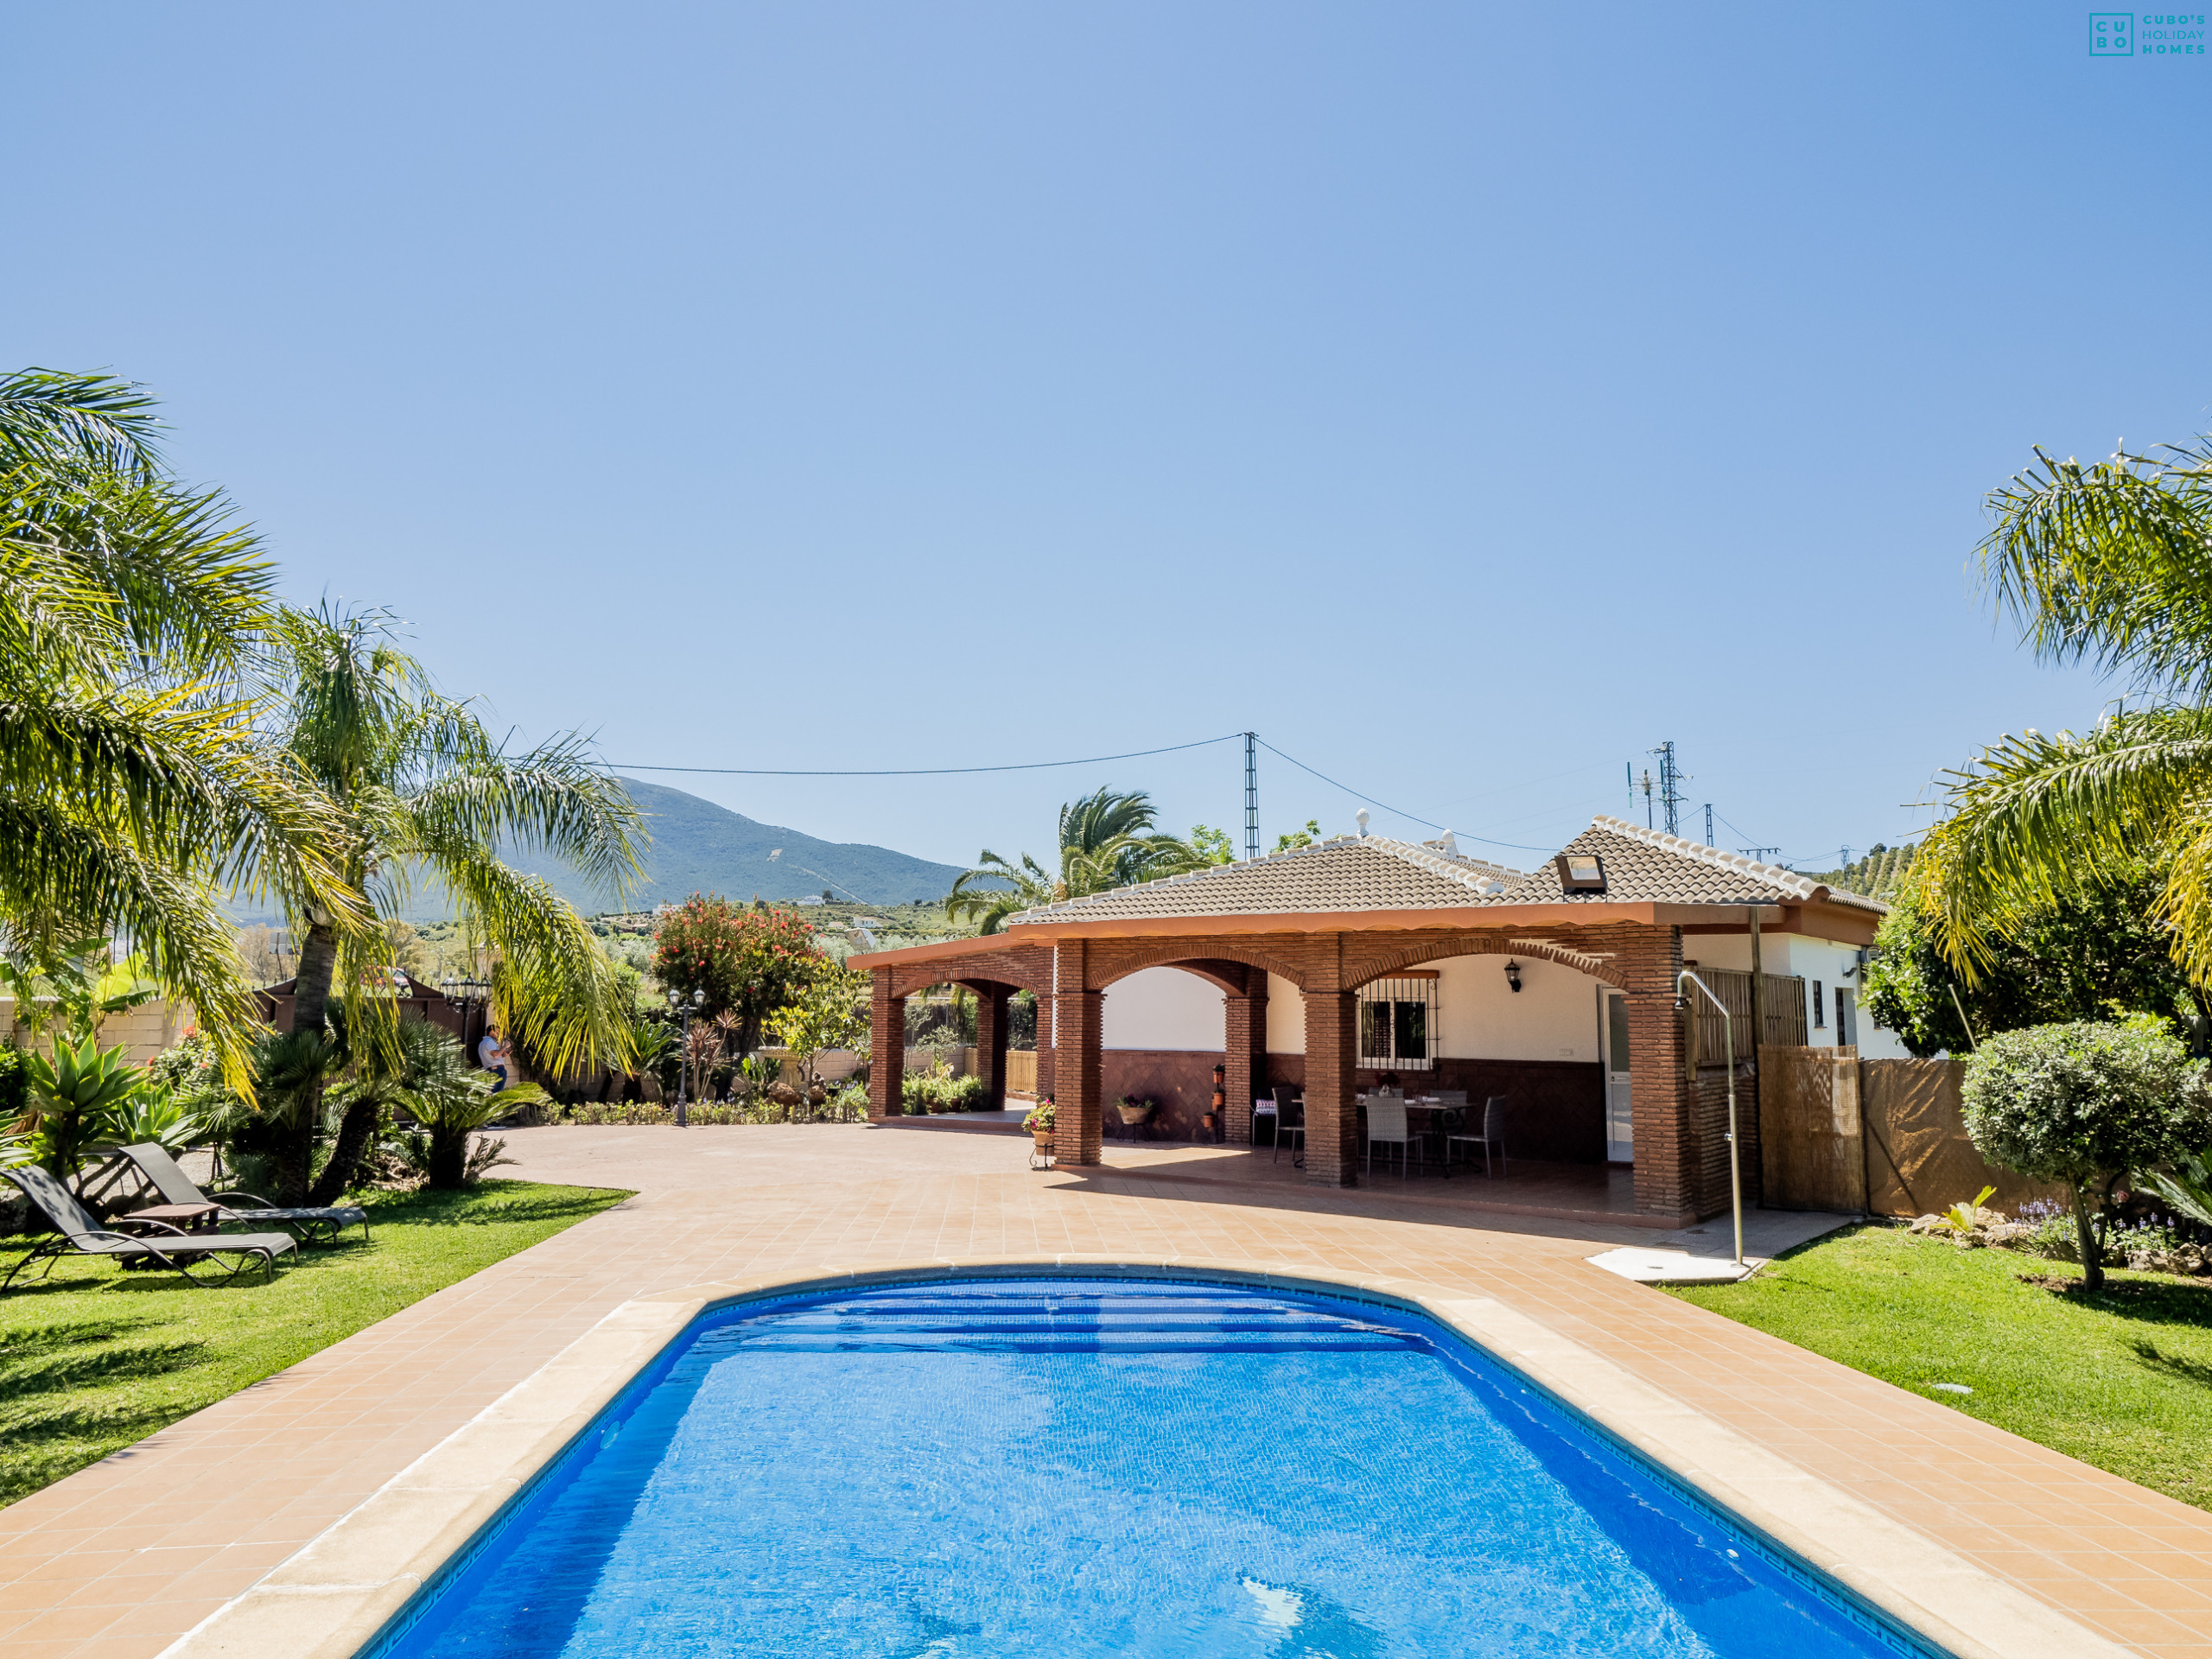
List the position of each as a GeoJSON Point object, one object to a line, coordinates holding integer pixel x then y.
{"type": "Point", "coordinates": [1134, 1109]}
{"type": "Point", "coordinates": [1039, 1123]}
{"type": "Point", "coordinates": [1212, 1115]}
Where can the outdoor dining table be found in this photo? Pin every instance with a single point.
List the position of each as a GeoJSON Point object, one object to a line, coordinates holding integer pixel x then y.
{"type": "Point", "coordinates": [1428, 1105]}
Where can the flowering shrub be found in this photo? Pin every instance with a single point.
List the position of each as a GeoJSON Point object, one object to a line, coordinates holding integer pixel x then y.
{"type": "Point", "coordinates": [749, 963]}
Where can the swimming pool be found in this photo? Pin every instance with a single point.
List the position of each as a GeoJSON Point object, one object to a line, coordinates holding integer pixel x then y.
{"type": "Point", "coordinates": [1080, 1467]}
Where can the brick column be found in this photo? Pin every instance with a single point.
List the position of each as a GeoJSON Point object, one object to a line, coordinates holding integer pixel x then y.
{"type": "Point", "coordinates": [1076, 1082]}
{"type": "Point", "coordinates": [1246, 1057]}
{"type": "Point", "coordinates": [1046, 1053]}
{"type": "Point", "coordinates": [1662, 1098]}
{"type": "Point", "coordinates": [1332, 1112]}
{"type": "Point", "coordinates": [990, 1043]}
{"type": "Point", "coordinates": [886, 1049]}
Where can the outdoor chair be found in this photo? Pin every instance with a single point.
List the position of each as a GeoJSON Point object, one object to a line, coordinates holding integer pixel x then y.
{"type": "Point", "coordinates": [1451, 1115]}
{"type": "Point", "coordinates": [78, 1233]}
{"type": "Point", "coordinates": [1386, 1122]}
{"type": "Point", "coordinates": [1290, 1123]}
{"type": "Point", "coordinates": [175, 1186]}
{"type": "Point", "coordinates": [1491, 1140]}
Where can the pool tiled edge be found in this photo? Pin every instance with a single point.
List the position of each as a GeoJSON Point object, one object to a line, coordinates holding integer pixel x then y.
{"type": "Point", "coordinates": [334, 1597]}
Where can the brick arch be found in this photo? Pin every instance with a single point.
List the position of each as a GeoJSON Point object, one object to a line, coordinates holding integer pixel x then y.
{"type": "Point", "coordinates": [1223, 975]}
{"type": "Point", "coordinates": [1117, 959]}
{"type": "Point", "coordinates": [1025, 968]}
{"type": "Point", "coordinates": [1363, 966]}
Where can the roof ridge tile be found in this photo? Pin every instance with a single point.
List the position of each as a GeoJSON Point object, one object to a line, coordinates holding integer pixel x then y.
{"type": "Point", "coordinates": [1788, 881]}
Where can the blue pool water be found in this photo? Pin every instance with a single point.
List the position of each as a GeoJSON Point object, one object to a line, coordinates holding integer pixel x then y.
{"type": "Point", "coordinates": [1106, 1467]}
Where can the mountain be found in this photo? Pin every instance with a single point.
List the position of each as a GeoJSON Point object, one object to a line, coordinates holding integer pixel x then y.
{"type": "Point", "coordinates": [698, 847]}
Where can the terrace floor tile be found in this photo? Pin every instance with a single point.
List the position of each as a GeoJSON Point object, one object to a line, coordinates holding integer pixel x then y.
{"type": "Point", "coordinates": [117, 1559]}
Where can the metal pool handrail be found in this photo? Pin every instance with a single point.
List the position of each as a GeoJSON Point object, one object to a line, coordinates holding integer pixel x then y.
{"type": "Point", "coordinates": [1728, 1047]}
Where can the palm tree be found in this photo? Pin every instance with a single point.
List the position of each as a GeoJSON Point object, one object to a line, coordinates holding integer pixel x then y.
{"type": "Point", "coordinates": [425, 792]}
{"type": "Point", "coordinates": [132, 792]}
{"type": "Point", "coordinates": [2109, 564]}
{"type": "Point", "coordinates": [1106, 841]}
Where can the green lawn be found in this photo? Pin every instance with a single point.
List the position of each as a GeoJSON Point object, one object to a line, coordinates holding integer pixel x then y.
{"type": "Point", "coordinates": [2122, 1380]}
{"type": "Point", "coordinates": [93, 1358]}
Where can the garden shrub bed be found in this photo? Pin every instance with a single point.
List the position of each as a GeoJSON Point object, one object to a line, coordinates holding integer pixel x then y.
{"type": "Point", "coordinates": [2150, 1243]}
{"type": "Point", "coordinates": [938, 1091]}
{"type": "Point", "coordinates": [846, 1105]}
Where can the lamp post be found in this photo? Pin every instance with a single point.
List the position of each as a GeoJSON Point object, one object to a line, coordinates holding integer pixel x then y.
{"type": "Point", "coordinates": [677, 1005]}
{"type": "Point", "coordinates": [459, 994]}
{"type": "Point", "coordinates": [1728, 1043]}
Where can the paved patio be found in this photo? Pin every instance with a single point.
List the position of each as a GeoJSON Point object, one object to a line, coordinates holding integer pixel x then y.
{"type": "Point", "coordinates": [124, 1557]}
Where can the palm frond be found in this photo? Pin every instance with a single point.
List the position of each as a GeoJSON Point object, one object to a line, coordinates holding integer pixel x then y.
{"type": "Point", "coordinates": [2110, 564]}
{"type": "Point", "coordinates": [93, 421]}
{"type": "Point", "coordinates": [552, 800]}
{"type": "Point", "coordinates": [2039, 817]}
{"type": "Point", "coordinates": [552, 986]}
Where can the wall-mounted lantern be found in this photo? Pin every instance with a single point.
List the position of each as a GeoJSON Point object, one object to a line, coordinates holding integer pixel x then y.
{"type": "Point", "coordinates": [1513, 975]}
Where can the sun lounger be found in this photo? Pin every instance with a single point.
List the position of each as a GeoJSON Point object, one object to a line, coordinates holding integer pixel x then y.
{"type": "Point", "coordinates": [79, 1233]}
{"type": "Point", "coordinates": [177, 1187]}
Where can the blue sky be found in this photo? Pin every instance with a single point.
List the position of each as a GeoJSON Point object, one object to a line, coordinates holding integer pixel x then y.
{"type": "Point", "coordinates": [1467, 397]}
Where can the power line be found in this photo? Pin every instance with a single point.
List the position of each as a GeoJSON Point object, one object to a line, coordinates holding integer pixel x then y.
{"type": "Point", "coordinates": [1087, 760]}
{"type": "Point", "coordinates": [926, 772]}
{"type": "Point", "coordinates": [1386, 807]}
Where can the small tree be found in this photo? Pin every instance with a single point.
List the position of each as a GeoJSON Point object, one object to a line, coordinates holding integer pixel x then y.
{"type": "Point", "coordinates": [832, 1012]}
{"type": "Point", "coordinates": [2086, 1104]}
{"type": "Point", "coordinates": [749, 962]}
{"type": "Point", "coordinates": [1212, 846]}
{"type": "Point", "coordinates": [2095, 953]}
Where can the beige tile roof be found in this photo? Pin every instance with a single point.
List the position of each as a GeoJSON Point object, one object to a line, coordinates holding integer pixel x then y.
{"type": "Point", "coordinates": [1648, 865]}
{"type": "Point", "coordinates": [1350, 872]}
{"type": "Point", "coordinates": [1355, 873]}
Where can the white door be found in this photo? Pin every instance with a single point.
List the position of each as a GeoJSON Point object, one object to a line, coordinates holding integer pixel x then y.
{"type": "Point", "coordinates": [1620, 1138]}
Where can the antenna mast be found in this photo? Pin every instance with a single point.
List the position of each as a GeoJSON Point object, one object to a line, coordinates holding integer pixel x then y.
{"type": "Point", "coordinates": [1670, 787]}
{"type": "Point", "coordinates": [1251, 795]}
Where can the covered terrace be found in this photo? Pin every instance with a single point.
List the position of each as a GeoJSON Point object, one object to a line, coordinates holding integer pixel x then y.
{"type": "Point", "coordinates": [1317, 923]}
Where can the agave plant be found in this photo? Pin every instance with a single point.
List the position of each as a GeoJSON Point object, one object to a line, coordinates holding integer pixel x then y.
{"type": "Point", "coordinates": [77, 1097]}
{"type": "Point", "coordinates": [157, 1117]}
{"type": "Point", "coordinates": [2187, 1185]}
{"type": "Point", "coordinates": [1965, 1215]}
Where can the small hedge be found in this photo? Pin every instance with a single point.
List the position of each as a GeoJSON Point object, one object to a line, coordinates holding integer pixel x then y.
{"type": "Point", "coordinates": [926, 1096]}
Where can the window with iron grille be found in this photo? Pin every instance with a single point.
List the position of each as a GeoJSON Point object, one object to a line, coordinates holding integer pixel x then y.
{"type": "Point", "coordinates": [1398, 1027]}
{"type": "Point", "coordinates": [1820, 1013]}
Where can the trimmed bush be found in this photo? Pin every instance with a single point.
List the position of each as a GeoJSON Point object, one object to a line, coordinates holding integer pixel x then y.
{"type": "Point", "coordinates": [2089, 1104]}
{"type": "Point", "coordinates": [940, 1093]}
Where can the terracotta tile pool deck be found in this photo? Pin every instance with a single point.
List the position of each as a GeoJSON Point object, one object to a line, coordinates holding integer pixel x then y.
{"type": "Point", "coordinates": [123, 1558]}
